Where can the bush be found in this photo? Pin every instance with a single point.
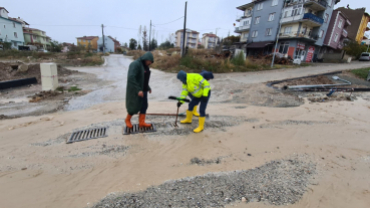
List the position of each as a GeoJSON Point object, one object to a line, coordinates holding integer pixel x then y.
{"type": "Point", "coordinates": [239, 59]}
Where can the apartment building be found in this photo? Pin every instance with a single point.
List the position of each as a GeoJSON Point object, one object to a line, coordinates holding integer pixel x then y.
{"type": "Point", "coordinates": [209, 40]}
{"type": "Point", "coordinates": [33, 36]}
{"type": "Point", "coordinates": [337, 32]}
{"type": "Point", "coordinates": [89, 41]}
{"type": "Point", "coordinates": [360, 23]}
{"type": "Point", "coordinates": [304, 25]}
{"type": "Point", "coordinates": [10, 29]}
{"type": "Point", "coordinates": [191, 38]}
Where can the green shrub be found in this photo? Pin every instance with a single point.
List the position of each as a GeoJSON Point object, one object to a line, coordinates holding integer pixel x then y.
{"type": "Point", "coordinates": [361, 73]}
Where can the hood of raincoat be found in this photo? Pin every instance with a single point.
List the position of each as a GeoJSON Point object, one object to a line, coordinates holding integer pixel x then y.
{"type": "Point", "coordinates": [148, 56]}
{"type": "Point", "coordinates": [182, 76]}
{"type": "Point", "coordinates": [206, 74]}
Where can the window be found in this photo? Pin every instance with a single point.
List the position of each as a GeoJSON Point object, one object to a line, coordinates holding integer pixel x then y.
{"type": "Point", "coordinates": [321, 34]}
{"type": "Point", "coordinates": [336, 38]}
{"type": "Point", "coordinates": [259, 6]}
{"type": "Point", "coordinates": [340, 23]}
{"type": "Point", "coordinates": [296, 12]}
{"type": "Point", "coordinates": [271, 16]}
{"type": "Point", "coordinates": [287, 30]}
{"type": "Point", "coordinates": [15, 35]}
{"type": "Point", "coordinates": [268, 31]}
{"type": "Point", "coordinates": [257, 20]}
{"type": "Point", "coordinates": [284, 46]}
{"type": "Point", "coordinates": [274, 2]}
{"type": "Point", "coordinates": [326, 17]}
{"type": "Point", "coordinates": [248, 12]}
{"type": "Point", "coordinates": [15, 43]}
{"type": "Point", "coordinates": [14, 24]}
{"type": "Point", "coordinates": [254, 34]}
{"type": "Point", "coordinates": [245, 23]}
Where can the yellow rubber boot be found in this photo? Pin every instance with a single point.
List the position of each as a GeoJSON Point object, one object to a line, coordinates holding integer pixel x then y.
{"type": "Point", "coordinates": [189, 118]}
{"type": "Point", "coordinates": [195, 112]}
{"type": "Point", "coordinates": [201, 125]}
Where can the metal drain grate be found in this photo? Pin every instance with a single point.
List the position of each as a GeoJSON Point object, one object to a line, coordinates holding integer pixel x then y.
{"type": "Point", "coordinates": [87, 134]}
{"type": "Point", "coordinates": [136, 130]}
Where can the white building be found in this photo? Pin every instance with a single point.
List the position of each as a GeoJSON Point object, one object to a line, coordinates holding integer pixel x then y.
{"type": "Point", "coordinates": [191, 38]}
{"type": "Point", "coordinates": [209, 40]}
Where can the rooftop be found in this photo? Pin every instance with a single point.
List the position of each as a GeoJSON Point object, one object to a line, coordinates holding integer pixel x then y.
{"type": "Point", "coordinates": [188, 30]}
{"type": "Point", "coordinates": [88, 37]}
{"type": "Point", "coordinates": [4, 9]}
{"type": "Point", "coordinates": [245, 6]}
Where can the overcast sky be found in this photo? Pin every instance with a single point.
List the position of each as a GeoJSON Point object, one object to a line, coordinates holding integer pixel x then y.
{"type": "Point", "coordinates": [64, 20]}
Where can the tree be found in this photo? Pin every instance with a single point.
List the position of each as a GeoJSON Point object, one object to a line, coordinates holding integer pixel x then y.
{"type": "Point", "coordinates": [55, 46]}
{"type": "Point", "coordinates": [139, 47]}
{"type": "Point", "coordinates": [153, 44]}
{"type": "Point", "coordinates": [167, 45]}
{"type": "Point", "coordinates": [354, 49]}
{"type": "Point", "coordinates": [133, 44]}
{"type": "Point", "coordinates": [145, 40]}
{"type": "Point", "coordinates": [231, 39]}
{"type": "Point", "coordinates": [125, 45]}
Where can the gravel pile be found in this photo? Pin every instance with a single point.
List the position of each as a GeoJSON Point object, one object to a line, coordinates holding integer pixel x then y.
{"type": "Point", "coordinates": [278, 182]}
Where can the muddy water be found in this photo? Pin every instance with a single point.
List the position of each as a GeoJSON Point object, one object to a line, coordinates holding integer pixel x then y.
{"type": "Point", "coordinates": [37, 168]}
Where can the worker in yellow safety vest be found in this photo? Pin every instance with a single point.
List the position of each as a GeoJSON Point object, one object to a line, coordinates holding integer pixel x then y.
{"type": "Point", "coordinates": [198, 89]}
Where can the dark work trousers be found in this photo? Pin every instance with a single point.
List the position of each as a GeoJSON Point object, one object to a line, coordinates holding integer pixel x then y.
{"type": "Point", "coordinates": [203, 103]}
{"type": "Point", "coordinates": [144, 106]}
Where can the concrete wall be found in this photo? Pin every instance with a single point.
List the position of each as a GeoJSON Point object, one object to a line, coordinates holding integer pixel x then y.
{"type": "Point", "coordinates": [264, 23]}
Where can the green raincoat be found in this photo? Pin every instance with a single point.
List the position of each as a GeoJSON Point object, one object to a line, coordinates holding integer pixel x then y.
{"type": "Point", "coordinates": [135, 83]}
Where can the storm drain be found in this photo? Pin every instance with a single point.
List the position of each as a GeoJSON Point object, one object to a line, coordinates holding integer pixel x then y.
{"type": "Point", "coordinates": [83, 135]}
{"type": "Point", "coordinates": [136, 129]}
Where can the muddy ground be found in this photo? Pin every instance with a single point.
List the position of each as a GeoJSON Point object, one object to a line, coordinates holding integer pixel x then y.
{"type": "Point", "coordinates": [30, 101]}
{"type": "Point", "coordinates": [261, 148]}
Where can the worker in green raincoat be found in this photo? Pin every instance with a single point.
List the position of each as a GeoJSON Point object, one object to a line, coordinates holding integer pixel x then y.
{"type": "Point", "coordinates": [137, 89]}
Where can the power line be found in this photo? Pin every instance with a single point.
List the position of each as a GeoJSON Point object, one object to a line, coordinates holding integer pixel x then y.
{"type": "Point", "coordinates": [171, 21]}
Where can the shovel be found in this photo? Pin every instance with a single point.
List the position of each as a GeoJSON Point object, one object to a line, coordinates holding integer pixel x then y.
{"type": "Point", "coordinates": [178, 108]}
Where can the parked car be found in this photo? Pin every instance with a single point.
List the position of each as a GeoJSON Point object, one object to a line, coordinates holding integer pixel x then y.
{"type": "Point", "coordinates": [365, 56]}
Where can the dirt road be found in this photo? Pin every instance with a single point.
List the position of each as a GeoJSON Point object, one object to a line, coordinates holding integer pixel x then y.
{"type": "Point", "coordinates": [38, 169]}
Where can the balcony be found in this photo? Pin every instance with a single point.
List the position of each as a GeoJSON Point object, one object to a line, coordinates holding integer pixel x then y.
{"type": "Point", "coordinates": [344, 33]}
{"type": "Point", "coordinates": [317, 5]}
{"type": "Point", "coordinates": [242, 28]}
{"type": "Point", "coordinates": [309, 19]}
{"type": "Point", "coordinates": [314, 20]}
{"type": "Point", "coordinates": [366, 36]}
{"type": "Point", "coordinates": [296, 35]}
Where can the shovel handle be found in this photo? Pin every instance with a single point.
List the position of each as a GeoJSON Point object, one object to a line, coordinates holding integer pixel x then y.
{"type": "Point", "coordinates": [178, 99]}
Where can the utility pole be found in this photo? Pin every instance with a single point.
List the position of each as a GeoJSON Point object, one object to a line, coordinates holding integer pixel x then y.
{"type": "Point", "coordinates": [277, 37]}
{"type": "Point", "coordinates": [150, 33]}
{"type": "Point", "coordinates": [102, 31]}
{"type": "Point", "coordinates": [184, 32]}
{"type": "Point", "coordinates": [367, 47]}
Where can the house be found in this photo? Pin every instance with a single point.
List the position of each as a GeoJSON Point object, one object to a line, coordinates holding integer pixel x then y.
{"type": "Point", "coordinates": [337, 32]}
{"type": "Point", "coordinates": [109, 43]}
{"type": "Point", "coordinates": [191, 38]}
{"type": "Point", "coordinates": [116, 43]}
{"type": "Point", "coordinates": [90, 42]}
{"type": "Point", "coordinates": [10, 29]}
{"type": "Point", "coordinates": [360, 23]}
{"type": "Point", "coordinates": [67, 47]}
{"type": "Point", "coordinates": [36, 37]}
{"type": "Point", "coordinates": [304, 24]}
{"type": "Point", "coordinates": [209, 40]}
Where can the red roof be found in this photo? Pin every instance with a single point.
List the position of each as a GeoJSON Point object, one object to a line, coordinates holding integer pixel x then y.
{"type": "Point", "coordinates": [192, 31]}
{"type": "Point", "coordinates": [114, 40]}
{"type": "Point", "coordinates": [210, 35]}
{"type": "Point", "coordinates": [4, 9]}
{"type": "Point", "coordinates": [15, 20]}
{"type": "Point", "coordinates": [88, 37]}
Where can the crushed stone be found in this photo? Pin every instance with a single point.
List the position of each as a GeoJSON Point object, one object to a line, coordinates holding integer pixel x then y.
{"type": "Point", "coordinates": [279, 182]}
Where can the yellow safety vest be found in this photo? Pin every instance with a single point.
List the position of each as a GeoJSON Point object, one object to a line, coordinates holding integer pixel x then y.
{"type": "Point", "coordinates": [195, 85]}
